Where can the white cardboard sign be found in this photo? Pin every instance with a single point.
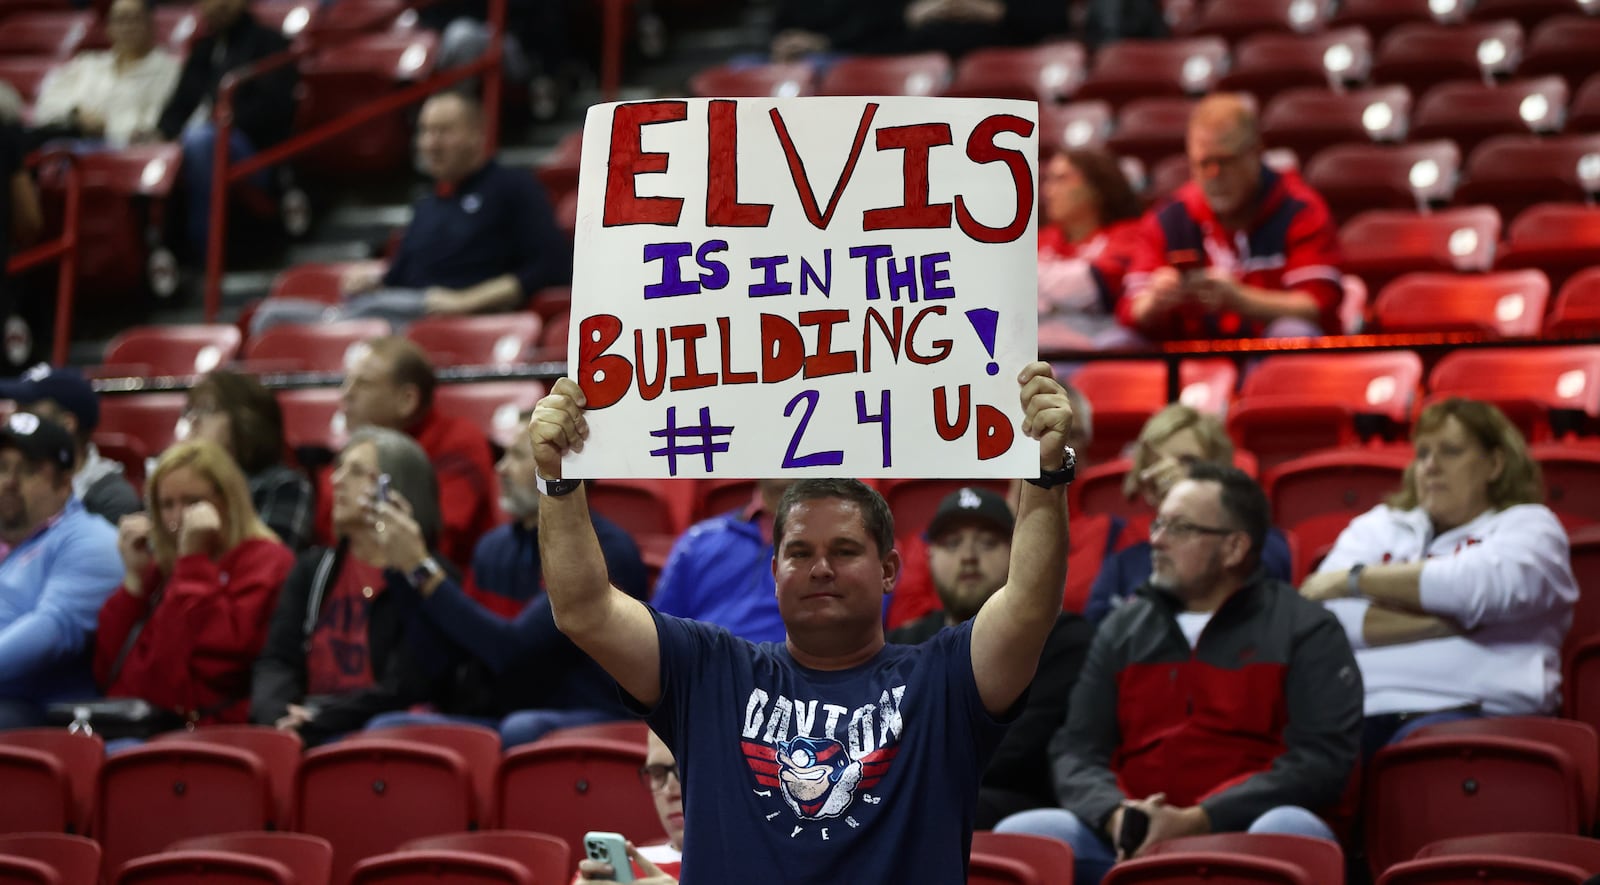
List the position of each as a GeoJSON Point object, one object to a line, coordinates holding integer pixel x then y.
{"type": "Point", "coordinates": [806, 286]}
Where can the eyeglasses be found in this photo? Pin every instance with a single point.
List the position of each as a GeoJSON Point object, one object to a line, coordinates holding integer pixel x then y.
{"type": "Point", "coordinates": [1180, 529]}
{"type": "Point", "coordinates": [655, 776]}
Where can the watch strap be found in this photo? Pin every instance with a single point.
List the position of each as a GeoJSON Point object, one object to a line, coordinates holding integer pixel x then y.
{"type": "Point", "coordinates": [1066, 473]}
{"type": "Point", "coordinates": [555, 488]}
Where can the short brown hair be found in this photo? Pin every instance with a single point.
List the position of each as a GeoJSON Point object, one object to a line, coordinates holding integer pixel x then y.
{"type": "Point", "coordinates": [408, 364]}
{"type": "Point", "coordinates": [875, 515]}
{"type": "Point", "coordinates": [1519, 481]}
{"type": "Point", "coordinates": [253, 414]}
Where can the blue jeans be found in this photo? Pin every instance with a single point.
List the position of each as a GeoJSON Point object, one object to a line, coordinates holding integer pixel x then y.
{"type": "Point", "coordinates": [1093, 857]}
{"type": "Point", "coordinates": [521, 727]}
{"type": "Point", "coordinates": [1382, 730]}
{"type": "Point", "coordinates": [199, 152]}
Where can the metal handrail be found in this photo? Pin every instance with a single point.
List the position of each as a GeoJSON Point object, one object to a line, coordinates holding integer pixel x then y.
{"type": "Point", "coordinates": [225, 173]}
{"type": "Point", "coordinates": [63, 250]}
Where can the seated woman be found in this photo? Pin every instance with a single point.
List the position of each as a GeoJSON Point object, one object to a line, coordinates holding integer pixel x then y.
{"type": "Point", "coordinates": [338, 652]}
{"type": "Point", "coordinates": [1087, 241]}
{"type": "Point", "coordinates": [202, 576]}
{"type": "Point", "coordinates": [111, 95]}
{"type": "Point", "coordinates": [1172, 440]}
{"type": "Point", "coordinates": [1458, 592]}
{"type": "Point", "coordinates": [237, 413]}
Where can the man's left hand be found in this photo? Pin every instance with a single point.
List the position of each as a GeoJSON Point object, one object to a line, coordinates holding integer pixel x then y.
{"type": "Point", "coordinates": [1171, 822]}
{"type": "Point", "coordinates": [1046, 414]}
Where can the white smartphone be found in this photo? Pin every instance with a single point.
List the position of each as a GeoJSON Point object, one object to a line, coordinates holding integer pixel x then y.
{"type": "Point", "coordinates": [609, 848]}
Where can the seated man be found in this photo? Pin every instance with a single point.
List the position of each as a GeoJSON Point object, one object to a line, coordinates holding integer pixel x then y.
{"type": "Point", "coordinates": [821, 29]}
{"type": "Point", "coordinates": [109, 95]}
{"type": "Point", "coordinates": [54, 581]}
{"type": "Point", "coordinates": [483, 241]}
{"type": "Point", "coordinates": [652, 864]}
{"type": "Point", "coordinates": [1241, 251]}
{"type": "Point", "coordinates": [969, 552]}
{"type": "Point", "coordinates": [957, 27]}
{"type": "Point", "coordinates": [1217, 700]}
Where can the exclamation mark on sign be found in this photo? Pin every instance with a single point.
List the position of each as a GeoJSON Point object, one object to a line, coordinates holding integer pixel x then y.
{"type": "Point", "coordinates": [984, 321]}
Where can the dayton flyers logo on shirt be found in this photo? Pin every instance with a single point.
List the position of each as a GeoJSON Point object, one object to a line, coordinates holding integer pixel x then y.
{"type": "Point", "coordinates": [820, 777]}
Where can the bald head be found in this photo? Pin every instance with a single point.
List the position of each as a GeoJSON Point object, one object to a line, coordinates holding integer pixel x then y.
{"type": "Point", "coordinates": [1224, 147]}
{"type": "Point", "coordinates": [450, 137]}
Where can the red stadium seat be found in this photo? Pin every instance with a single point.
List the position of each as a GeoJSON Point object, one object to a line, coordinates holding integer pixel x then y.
{"type": "Point", "coordinates": [496, 407]}
{"type": "Point", "coordinates": [1098, 489]}
{"type": "Point", "coordinates": [1581, 682]}
{"type": "Point", "coordinates": [349, 75]}
{"type": "Point", "coordinates": [1424, 789]}
{"type": "Point", "coordinates": [1381, 16]}
{"type": "Point", "coordinates": [322, 347]}
{"type": "Point", "coordinates": [569, 787]}
{"type": "Point", "coordinates": [479, 748]}
{"type": "Point", "coordinates": [914, 501]}
{"type": "Point", "coordinates": [1050, 859]}
{"type": "Point", "coordinates": [786, 80]}
{"type": "Point", "coordinates": [717, 496]}
{"type": "Point", "coordinates": [1507, 304]}
{"type": "Point", "coordinates": [1514, 172]}
{"type": "Point", "coordinates": [1557, 238]}
{"type": "Point", "coordinates": [1585, 556]}
{"type": "Point", "coordinates": [1571, 474]}
{"type": "Point", "coordinates": [654, 511]}
{"type": "Point", "coordinates": [155, 794]}
{"type": "Point", "coordinates": [1578, 740]}
{"type": "Point", "coordinates": [1563, 45]}
{"type": "Point", "coordinates": [1380, 245]}
{"type": "Point", "coordinates": [1048, 74]}
{"type": "Point", "coordinates": [57, 33]}
{"type": "Point", "coordinates": [1180, 868]}
{"type": "Point", "coordinates": [500, 339]}
{"type": "Point", "coordinates": [203, 868]}
{"type": "Point", "coordinates": [22, 871]}
{"type": "Point", "coordinates": [291, 18]}
{"type": "Point", "coordinates": [1151, 128]}
{"type": "Point", "coordinates": [1530, 13]}
{"type": "Point", "coordinates": [1316, 495]}
{"type": "Point", "coordinates": [1130, 69]}
{"type": "Point", "coordinates": [39, 794]}
{"type": "Point", "coordinates": [547, 857]}
{"type": "Point", "coordinates": [175, 27]}
{"type": "Point", "coordinates": [278, 752]}
{"type": "Point", "coordinates": [628, 731]}
{"type": "Point", "coordinates": [1577, 310]}
{"type": "Point", "coordinates": [998, 869]}
{"type": "Point", "coordinates": [1471, 111]}
{"type": "Point", "coordinates": [309, 858]}
{"type": "Point", "coordinates": [924, 73]}
{"type": "Point", "coordinates": [1265, 65]}
{"type": "Point", "coordinates": [1308, 120]}
{"type": "Point", "coordinates": [26, 73]}
{"type": "Point", "coordinates": [170, 350]}
{"type": "Point", "coordinates": [1481, 868]}
{"type": "Point", "coordinates": [80, 756]}
{"type": "Point", "coordinates": [559, 172]}
{"type": "Point", "coordinates": [1424, 55]}
{"type": "Point", "coordinates": [1290, 405]}
{"type": "Point", "coordinates": [1080, 124]}
{"type": "Point", "coordinates": [1353, 178]}
{"type": "Point", "coordinates": [75, 859]}
{"type": "Point", "coordinates": [150, 418]}
{"type": "Point", "coordinates": [313, 417]}
{"type": "Point", "coordinates": [1321, 859]}
{"type": "Point", "coordinates": [368, 795]}
{"type": "Point", "coordinates": [1578, 851]}
{"type": "Point", "coordinates": [1547, 391]}
{"type": "Point", "coordinates": [416, 867]}
{"type": "Point", "coordinates": [317, 281]}
{"type": "Point", "coordinates": [1124, 394]}
{"type": "Point", "coordinates": [1236, 19]}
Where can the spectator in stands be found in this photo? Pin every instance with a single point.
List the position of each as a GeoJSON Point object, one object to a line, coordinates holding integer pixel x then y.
{"type": "Point", "coordinates": [109, 95]}
{"type": "Point", "coordinates": [20, 222]}
{"type": "Point", "coordinates": [1457, 594]}
{"type": "Point", "coordinates": [775, 738]}
{"type": "Point", "coordinates": [652, 864]}
{"type": "Point", "coordinates": [960, 26]}
{"type": "Point", "coordinates": [969, 556]}
{"type": "Point", "coordinates": [391, 385]}
{"type": "Point", "coordinates": [200, 580]}
{"type": "Point", "coordinates": [720, 571]}
{"type": "Point", "coordinates": [1170, 443]}
{"type": "Point", "coordinates": [1241, 251]}
{"type": "Point", "coordinates": [538, 681]}
{"type": "Point", "coordinates": [65, 397]}
{"type": "Point", "coordinates": [263, 106]}
{"type": "Point", "coordinates": [237, 413]}
{"type": "Point", "coordinates": [54, 581]}
{"type": "Point", "coordinates": [1218, 700]}
{"type": "Point", "coordinates": [1086, 243]}
{"type": "Point", "coordinates": [340, 648]}
{"type": "Point", "coordinates": [485, 240]}
{"type": "Point", "coordinates": [824, 29]}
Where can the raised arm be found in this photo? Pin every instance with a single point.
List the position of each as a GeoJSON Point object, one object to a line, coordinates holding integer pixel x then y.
{"type": "Point", "coordinates": [612, 627]}
{"type": "Point", "coordinates": [1011, 628]}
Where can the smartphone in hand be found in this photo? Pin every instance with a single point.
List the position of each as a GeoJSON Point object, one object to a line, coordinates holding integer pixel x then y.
{"type": "Point", "coordinates": [381, 494]}
{"type": "Point", "coordinates": [609, 848]}
{"type": "Point", "coordinates": [1135, 827]}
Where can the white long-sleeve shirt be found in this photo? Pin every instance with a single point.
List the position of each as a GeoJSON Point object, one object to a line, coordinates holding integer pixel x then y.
{"type": "Point", "coordinates": [1505, 577]}
{"type": "Point", "coordinates": [129, 101]}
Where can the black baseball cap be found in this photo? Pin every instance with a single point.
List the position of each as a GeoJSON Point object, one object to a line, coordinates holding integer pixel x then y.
{"type": "Point", "coordinates": [67, 388]}
{"type": "Point", "coordinates": [40, 440]}
{"type": "Point", "coordinates": [972, 504]}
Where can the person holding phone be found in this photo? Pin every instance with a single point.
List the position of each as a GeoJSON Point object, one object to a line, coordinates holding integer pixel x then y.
{"type": "Point", "coordinates": [1215, 700]}
{"type": "Point", "coordinates": [652, 864]}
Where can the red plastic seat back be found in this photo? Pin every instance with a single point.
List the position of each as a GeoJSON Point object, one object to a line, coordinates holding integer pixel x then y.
{"type": "Point", "coordinates": [547, 857]}
{"type": "Point", "coordinates": [1577, 739]}
{"type": "Point", "coordinates": [645, 507]}
{"type": "Point", "coordinates": [714, 497]}
{"type": "Point", "coordinates": [192, 349]}
{"type": "Point", "coordinates": [24, 871]}
{"type": "Point", "coordinates": [1383, 244]}
{"type": "Point", "coordinates": [1266, 64]}
{"type": "Point", "coordinates": [1515, 172]}
{"type": "Point", "coordinates": [498, 340]}
{"type": "Point", "coordinates": [322, 347]}
{"type": "Point", "coordinates": [1577, 310]}
{"type": "Point", "coordinates": [1506, 304]}
{"type": "Point", "coordinates": [1152, 128]}
{"type": "Point", "coordinates": [1353, 178]}
{"type": "Point", "coordinates": [1124, 394]}
{"type": "Point", "coordinates": [495, 407]}
{"type": "Point", "coordinates": [1560, 239]}
{"type": "Point", "coordinates": [1562, 45]}
{"type": "Point", "coordinates": [1579, 851]}
{"type": "Point", "coordinates": [74, 858]}
{"type": "Point", "coordinates": [1321, 859]}
{"type": "Point", "coordinates": [1049, 859]}
{"type": "Point", "coordinates": [80, 756]}
{"type": "Point", "coordinates": [313, 416]}
{"type": "Point", "coordinates": [997, 869]}
{"type": "Point", "coordinates": [1047, 74]}
{"type": "Point", "coordinates": [1181, 868]}
{"type": "Point", "coordinates": [1581, 681]}
{"type": "Point", "coordinates": [1381, 16]}
{"type": "Point", "coordinates": [923, 74]}
{"type": "Point", "coordinates": [1471, 111]}
{"type": "Point", "coordinates": [438, 867]}
{"type": "Point", "coordinates": [203, 868]}
{"type": "Point", "coordinates": [309, 858]}
{"type": "Point", "coordinates": [1234, 19]}
{"type": "Point", "coordinates": [479, 748]}
{"type": "Point", "coordinates": [151, 418]}
{"type": "Point", "coordinates": [56, 34]}
{"type": "Point", "coordinates": [318, 281]}
{"type": "Point", "coordinates": [1317, 495]}
{"type": "Point", "coordinates": [1307, 120]}
{"type": "Point", "coordinates": [1080, 124]}
{"type": "Point", "coordinates": [568, 787]}
{"type": "Point", "coordinates": [1585, 556]}
{"type": "Point", "coordinates": [278, 752]}
{"type": "Point", "coordinates": [1571, 473]}
{"type": "Point", "coordinates": [914, 501]}
{"type": "Point", "coordinates": [1129, 69]}
{"type": "Point", "coordinates": [1422, 55]}
{"type": "Point", "coordinates": [26, 73]}
{"type": "Point", "coordinates": [39, 796]}
{"type": "Point", "coordinates": [1481, 868]}
{"type": "Point", "coordinates": [783, 80]}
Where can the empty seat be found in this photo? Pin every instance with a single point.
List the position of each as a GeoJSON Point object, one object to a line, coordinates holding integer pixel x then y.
{"type": "Point", "coordinates": [1129, 69]}
{"type": "Point", "coordinates": [277, 750]}
{"type": "Point", "coordinates": [1317, 495]}
{"type": "Point", "coordinates": [1380, 245]}
{"type": "Point", "coordinates": [628, 731]}
{"type": "Point", "coordinates": [547, 857]}
{"type": "Point", "coordinates": [1308, 120]}
{"type": "Point", "coordinates": [1579, 741]}
{"type": "Point", "coordinates": [26, 73]}
{"type": "Point", "coordinates": [23, 871]}
{"type": "Point", "coordinates": [653, 511]}
{"type": "Point", "coordinates": [175, 27]}
{"type": "Point", "coordinates": [1290, 405]}
{"type": "Point", "coordinates": [1379, 17]}
{"type": "Point", "coordinates": [782, 80]}
{"type": "Point", "coordinates": [568, 787]}
{"type": "Point", "coordinates": [1050, 859]}
{"type": "Point", "coordinates": [1578, 851]}
{"type": "Point", "coordinates": [1564, 46]}
{"type": "Point", "coordinates": [57, 34]}
{"type": "Point", "coordinates": [1321, 859]}
{"type": "Point", "coordinates": [417, 866]}
{"type": "Point", "coordinates": [309, 858]}
{"type": "Point", "coordinates": [1481, 868]}
{"type": "Point", "coordinates": [1529, 13]}
{"type": "Point", "coordinates": [1577, 309]}
{"type": "Point", "coordinates": [1235, 19]}
{"type": "Point", "coordinates": [1582, 681]}
{"type": "Point", "coordinates": [498, 340]}
{"type": "Point", "coordinates": [1152, 128]}
{"type": "Point", "coordinates": [1506, 304]}
{"type": "Point", "coordinates": [342, 78]}
{"type": "Point", "coordinates": [1584, 546]}
{"type": "Point", "coordinates": [1472, 111]}
{"type": "Point", "coordinates": [313, 418]}
{"type": "Point", "coordinates": [479, 748]}
{"type": "Point", "coordinates": [1571, 473]}
{"type": "Point", "coordinates": [75, 859]}
{"type": "Point", "coordinates": [203, 868]}
{"type": "Point", "coordinates": [1424, 55]}
{"type": "Point", "coordinates": [1514, 172]}
{"type": "Point", "coordinates": [1048, 74]}
{"type": "Point", "coordinates": [1180, 868]}
{"type": "Point", "coordinates": [1265, 65]}
{"type": "Point", "coordinates": [38, 792]}
{"type": "Point", "coordinates": [997, 869]}
{"type": "Point", "coordinates": [1079, 124]}
{"type": "Point", "coordinates": [496, 407]}
{"type": "Point", "coordinates": [1547, 391]}
{"type": "Point", "coordinates": [1125, 393]}
{"type": "Point", "coordinates": [1098, 489]}
{"type": "Point", "coordinates": [1353, 178]}
{"type": "Point", "coordinates": [80, 757]}
{"type": "Point", "coordinates": [1557, 238]}
{"type": "Point", "coordinates": [714, 497]}
{"type": "Point", "coordinates": [150, 418]}
{"type": "Point", "coordinates": [170, 350]}
{"type": "Point", "coordinates": [323, 347]}
{"type": "Point", "coordinates": [919, 74]}
{"type": "Point", "coordinates": [317, 281]}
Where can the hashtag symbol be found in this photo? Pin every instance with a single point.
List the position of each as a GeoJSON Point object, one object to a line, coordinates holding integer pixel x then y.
{"type": "Point", "coordinates": [705, 431]}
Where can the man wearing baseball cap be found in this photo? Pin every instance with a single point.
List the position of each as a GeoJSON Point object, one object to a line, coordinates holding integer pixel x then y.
{"type": "Point", "coordinates": [969, 556]}
{"type": "Point", "coordinates": [54, 580]}
{"type": "Point", "coordinates": [65, 397]}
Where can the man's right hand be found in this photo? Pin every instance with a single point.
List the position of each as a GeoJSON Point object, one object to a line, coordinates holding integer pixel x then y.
{"type": "Point", "coordinates": [361, 278]}
{"type": "Point", "coordinates": [558, 427]}
{"type": "Point", "coordinates": [1164, 292]}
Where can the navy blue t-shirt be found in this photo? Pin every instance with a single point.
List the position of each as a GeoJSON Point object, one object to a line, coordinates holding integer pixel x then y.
{"type": "Point", "coordinates": [793, 775]}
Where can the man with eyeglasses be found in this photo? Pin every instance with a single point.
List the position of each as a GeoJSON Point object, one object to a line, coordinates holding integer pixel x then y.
{"type": "Point", "coordinates": [1241, 251]}
{"type": "Point", "coordinates": [652, 864]}
{"type": "Point", "coordinates": [969, 556]}
{"type": "Point", "coordinates": [1215, 700]}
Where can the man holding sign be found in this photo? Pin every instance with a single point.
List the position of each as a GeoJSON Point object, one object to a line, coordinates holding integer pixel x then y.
{"type": "Point", "coordinates": [831, 757]}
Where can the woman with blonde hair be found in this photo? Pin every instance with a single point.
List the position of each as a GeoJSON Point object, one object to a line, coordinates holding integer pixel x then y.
{"type": "Point", "coordinates": [201, 578]}
{"type": "Point", "coordinates": [1457, 593]}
